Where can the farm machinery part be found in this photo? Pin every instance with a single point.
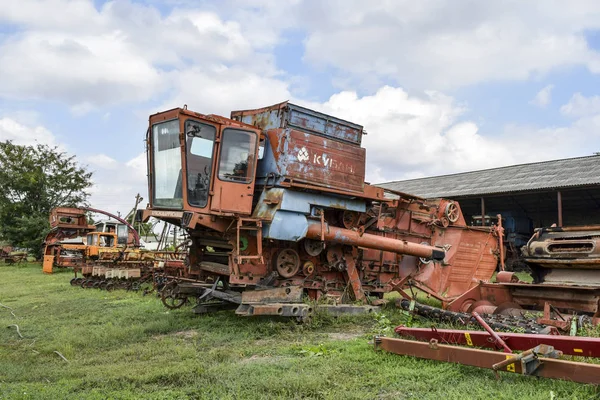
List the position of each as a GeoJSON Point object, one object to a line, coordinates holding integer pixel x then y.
{"type": "Point", "coordinates": [506, 321]}
{"type": "Point", "coordinates": [563, 306]}
{"type": "Point", "coordinates": [73, 243]}
{"type": "Point", "coordinates": [568, 345]}
{"type": "Point", "coordinates": [130, 269]}
{"type": "Point", "coordinates": [275, 199]}
{"type": "Point", "coordinates": [9, 256]}
{"type": "Point", "coordinates": [539, 352]}
{"type": "Point", "coordinates": [541, 360]}
{"type": "Point", "coordinates": [564, 255]}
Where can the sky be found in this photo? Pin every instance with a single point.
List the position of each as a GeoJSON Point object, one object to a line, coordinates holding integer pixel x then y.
{"type": "Point", "coordinates": [440, 86]}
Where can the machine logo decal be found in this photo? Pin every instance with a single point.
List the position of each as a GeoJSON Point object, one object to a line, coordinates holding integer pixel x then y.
{"type": "Point", "coordinates": [303, 155]}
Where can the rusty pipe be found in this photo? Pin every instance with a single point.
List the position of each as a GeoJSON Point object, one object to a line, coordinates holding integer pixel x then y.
{"type": "Point", "coordinates": [334, 234]}
{"type": "Point", "coordinates": [136, 235]}
{"type": "Point", "coordinates": [492, 333]}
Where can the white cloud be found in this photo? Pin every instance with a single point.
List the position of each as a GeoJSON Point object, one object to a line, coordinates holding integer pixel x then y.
{"type": "Point", "coordinates": [88, 58]}
{"type": "Point", "coordinates": [411, 137]}
{"type": "Point", "coordinates": [25, 135]}
{"type": "Point", "coordinates": [220, 58]}
{"type": "Point", "coordinates": [435, 44]}
{"type": "Point", "coordinates": [222, 89]}
{"type": "Point", "coordinates": [102, 161]}
{"type": "Point", "coordinates": [580, 106]}
{"type": "Point", "coordinates": [543, 97]}
{"type": "Point", "coordinates": [116, 183]}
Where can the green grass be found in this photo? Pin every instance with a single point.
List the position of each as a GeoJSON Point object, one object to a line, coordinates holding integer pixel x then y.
{"type": "Point", "coordinates": [122, 345]}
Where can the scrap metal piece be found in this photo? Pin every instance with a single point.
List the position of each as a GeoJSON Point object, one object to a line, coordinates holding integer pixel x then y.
{"type": "Point", "coordinates": [493, 334]}
{"type": "Point", "coordinates": [544, 367]}
{"type": "Point", "coordinates": [289, 294]}
{"type": "Point", "coordinates": [497, 322]}
{"type": "Point", "coordinates": [568, 345]}
{"type": "Point", "coordinates": [298, 310]}
{"type": "Point", "coordinates": [529, 359]}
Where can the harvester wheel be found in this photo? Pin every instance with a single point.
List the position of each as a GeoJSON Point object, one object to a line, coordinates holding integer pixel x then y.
{"type": "Point", "coordinates": [308, 268]}
{"type": "Point", "coordinates": [350, 219]}
{"type": "Point", "coordinates": [287, 263]}
{"type": "Point", "coordinates": [110, 287]}
{"type": "Point", "coordinates": [78, 281]}
{"type": "Point", "coordinates": [170, 298]}
{"type": "Point", "coordinates": [83, 283]}
{"type": "Point", "coordinates": [313, 247]}
{"type": "Point", "coordinates": [74, 282]}
{"type": "Point", "coordinates": [96, 284]}
{"type": "Point", "coordinates": [452, 212]}
{"type": "Point", "coordinates": [103, 285]}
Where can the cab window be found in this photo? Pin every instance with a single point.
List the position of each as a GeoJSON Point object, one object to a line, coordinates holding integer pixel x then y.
{"type": "Point", "coordinates": [236, 162]}
{"type": "Point", "coordinates": [199, 142]}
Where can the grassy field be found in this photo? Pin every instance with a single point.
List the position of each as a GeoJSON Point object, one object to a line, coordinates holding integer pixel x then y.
{"type": "Point", "coordinates": [122, 345]}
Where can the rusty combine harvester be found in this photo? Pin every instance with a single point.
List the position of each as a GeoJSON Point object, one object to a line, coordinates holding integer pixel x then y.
{"type": "Point", "coordinates": [276, 206]}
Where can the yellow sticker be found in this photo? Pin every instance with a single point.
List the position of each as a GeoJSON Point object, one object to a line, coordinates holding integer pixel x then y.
{"type": "Point", "coordinates": [510, 367]}
{"type": "Point", "coordinates": [468, 337]}
{"type": "Point", "coordinates": [577, 350]}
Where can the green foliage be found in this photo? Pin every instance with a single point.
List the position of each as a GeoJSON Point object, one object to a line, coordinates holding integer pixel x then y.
{"type": "Point", "coordinates": [33, 180]}
{"type": "Point", "coordinates": [383, 325]}
{"type": "Point", "coordinates": [319, 350]}
{"type": "Point", "coordinates": [144, 229]}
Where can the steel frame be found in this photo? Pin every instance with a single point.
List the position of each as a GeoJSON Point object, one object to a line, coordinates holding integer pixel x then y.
{"type": "Point", "coordinates": [543, 367]}
{"type": "Point", "coordinates": [570, 345]}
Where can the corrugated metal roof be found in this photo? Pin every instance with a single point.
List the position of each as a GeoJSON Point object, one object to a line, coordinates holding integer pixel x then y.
{"type": "Point", "coordinates": [569, 172]}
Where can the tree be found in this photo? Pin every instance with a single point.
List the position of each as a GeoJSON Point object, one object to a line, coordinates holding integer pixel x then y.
{"type": "Point", "coordinates": [33, 180]}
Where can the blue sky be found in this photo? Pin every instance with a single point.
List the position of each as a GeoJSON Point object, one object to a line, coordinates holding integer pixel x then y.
{"type": "Point", "coordinates": [441, 86]}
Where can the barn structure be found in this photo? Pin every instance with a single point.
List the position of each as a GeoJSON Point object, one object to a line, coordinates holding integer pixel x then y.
{"type": "Point", "coordinates": [563, 192]}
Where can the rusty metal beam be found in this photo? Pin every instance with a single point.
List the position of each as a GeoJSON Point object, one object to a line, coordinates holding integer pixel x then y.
{"type": "Point", "coordinates": [549, 368]}
{"type": "Point", "coordinates": [497, 339]}
{"type": "Point", "coordinates": [559, 203]}
{"type": "Point", "coordinates": [569, 345]}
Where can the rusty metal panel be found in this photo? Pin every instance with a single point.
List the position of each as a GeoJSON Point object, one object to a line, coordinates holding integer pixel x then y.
{"type": "Point", "coordinates": [574, 346]}
{"type": "Point", "coordinates": [289, 294]}
{"type": "Point", "coordinates": [284, 115]}
{"type": "Point", "coordinates": [312, 159]}
{"type": "Point", "coordinates": [551, 368]}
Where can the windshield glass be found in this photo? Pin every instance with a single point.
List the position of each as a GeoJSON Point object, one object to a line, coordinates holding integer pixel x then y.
{"type": "Point", "coordinates": [199, 153]}
{"type": "Point", "coordinates": [122, 234]}
{"type": "Point", "coordinates": [167, 165]}
{"type": "Point", "coordinates": [237, 156]}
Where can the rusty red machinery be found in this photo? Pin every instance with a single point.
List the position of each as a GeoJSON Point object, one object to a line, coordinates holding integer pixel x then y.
{"type": "Point", "coordinates": [105, 259]}
{"type": "Point", "coordinates": [565, 266]}
{"type": "Point", "coordinates": [72, 241]}
{"type": "Point", "coordinates": [539, 354]}
{"type": "Point", "coordinates": [542, 360]}
{"type": "Point", "coordinates": [275, 204]}
{"type": "Point", "coordinates": [568, 345]}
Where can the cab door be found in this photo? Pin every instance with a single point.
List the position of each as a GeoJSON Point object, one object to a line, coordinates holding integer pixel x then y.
{"type": "Point", "coordinates": [233, 187]}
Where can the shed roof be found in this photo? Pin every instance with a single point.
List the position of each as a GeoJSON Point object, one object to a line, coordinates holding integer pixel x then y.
{"type": "Point", "coordinates": [555, 174]}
